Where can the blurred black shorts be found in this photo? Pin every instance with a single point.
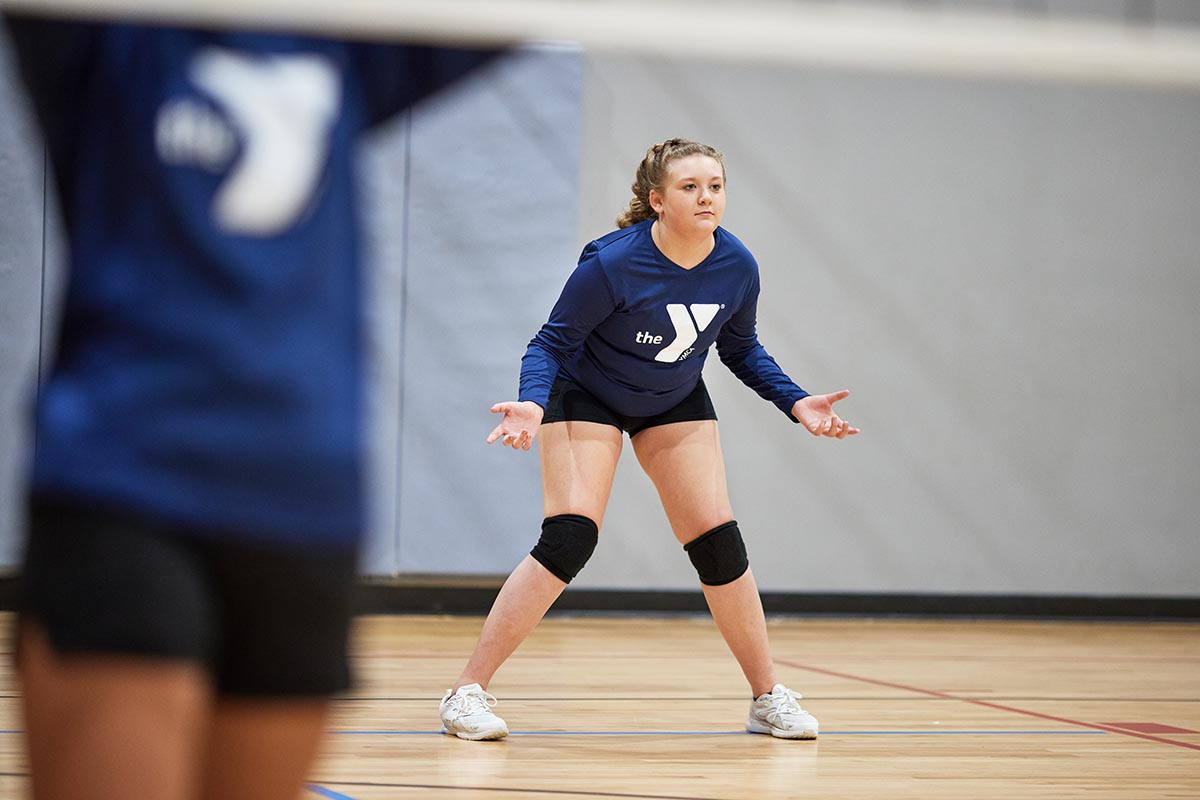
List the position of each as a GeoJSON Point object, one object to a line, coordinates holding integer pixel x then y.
{"type": "Point", "coordinates": [571, 402]}
{"type": "Point", "coordinates": [262, 622]}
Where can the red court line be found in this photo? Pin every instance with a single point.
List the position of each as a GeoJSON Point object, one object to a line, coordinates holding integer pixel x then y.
{"type": "Point", "coordinates": [986, 704]}
{"type": "Point", "coordinates": [1148, 727]}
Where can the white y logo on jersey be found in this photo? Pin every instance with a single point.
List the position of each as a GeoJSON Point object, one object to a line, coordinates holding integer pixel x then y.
{"type": "Point", "coordinates": [284, 106]}
{"type": "Point", "coordinates": [685, 330]}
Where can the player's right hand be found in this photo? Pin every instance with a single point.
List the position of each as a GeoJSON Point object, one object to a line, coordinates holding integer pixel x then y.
{"type": "Point", "coordinates": [519, 426]}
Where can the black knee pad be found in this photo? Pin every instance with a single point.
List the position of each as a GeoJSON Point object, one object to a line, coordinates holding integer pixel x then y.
{"type": "Point", "coordinates": [566, 545]}
{"type": "Point", "coordinates": [719, 556]}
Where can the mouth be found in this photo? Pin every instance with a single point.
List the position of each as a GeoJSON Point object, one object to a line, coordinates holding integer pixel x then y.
{"type": "Point", "coordinates": [704, 213]}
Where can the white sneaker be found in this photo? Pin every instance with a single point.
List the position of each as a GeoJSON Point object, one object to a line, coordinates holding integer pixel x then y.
{"type": "Point", "coordinates": [467, 714]}
{"type": "Point", "coordinates": [780, 715]}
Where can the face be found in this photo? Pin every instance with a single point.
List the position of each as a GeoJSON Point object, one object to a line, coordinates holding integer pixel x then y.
{"type": "Point", "coordinates": [692, 199]}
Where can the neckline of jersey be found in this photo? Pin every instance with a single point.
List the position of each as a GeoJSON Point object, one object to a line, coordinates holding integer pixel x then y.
{"type": "Point", "coordinates": [662, 257]}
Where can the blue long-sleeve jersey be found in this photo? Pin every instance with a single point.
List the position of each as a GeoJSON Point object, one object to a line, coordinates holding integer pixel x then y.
{"type": "Point", "coordinates": [634, 328]}
{"type": "Point", "coordinates": [208, 371]}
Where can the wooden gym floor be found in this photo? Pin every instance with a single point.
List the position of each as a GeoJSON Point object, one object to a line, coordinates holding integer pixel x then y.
{"type": "Point", "coordinates": [649, 708]}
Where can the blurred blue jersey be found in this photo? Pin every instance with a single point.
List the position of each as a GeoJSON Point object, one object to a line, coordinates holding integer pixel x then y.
{"type": "Point", "coordinates": [634, 328]}
{"type": "Point", "coordinates": [208, 370]}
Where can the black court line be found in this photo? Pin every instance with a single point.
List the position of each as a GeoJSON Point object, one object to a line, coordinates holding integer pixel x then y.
{"type": "Point", "coordinates": [509, 790]}
{"type": "Point", "coordinates": [986, 704]}
{"type": "Point", "coordinates": [639, 656]}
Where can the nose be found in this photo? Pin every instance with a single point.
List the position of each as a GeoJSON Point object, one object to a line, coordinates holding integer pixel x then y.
{"type": "Point", "coordinates": [705, 196]}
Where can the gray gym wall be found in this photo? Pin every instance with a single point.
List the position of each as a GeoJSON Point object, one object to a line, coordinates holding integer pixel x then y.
{"type": "Point", "coordinates": [22, 222]}
{"type": "Point", "coordinates": [1005, 275]}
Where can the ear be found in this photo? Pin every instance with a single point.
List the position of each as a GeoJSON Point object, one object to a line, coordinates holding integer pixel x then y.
{"type": "Point", "coordinates": [656, 201]}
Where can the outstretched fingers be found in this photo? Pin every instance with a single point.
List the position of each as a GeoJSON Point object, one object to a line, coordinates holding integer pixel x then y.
{"type": "Point", "coordinates": [818, 416]}
{"type": "Point", "coordinates": [513, 431]}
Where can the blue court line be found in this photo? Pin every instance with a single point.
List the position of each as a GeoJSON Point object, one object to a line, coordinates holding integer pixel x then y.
{"type": "Point", "coordinates": [329, 793]}
{"type": "Point", "coordinates": [737, 733]}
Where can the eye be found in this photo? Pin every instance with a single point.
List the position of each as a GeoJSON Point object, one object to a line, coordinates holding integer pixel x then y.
{"type": "Point", "coordinates": [689, 186]}
{"type": "Point", "coordinates": [716, 187]}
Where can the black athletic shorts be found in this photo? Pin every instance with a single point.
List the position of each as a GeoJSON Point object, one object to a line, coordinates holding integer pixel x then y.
{"type": "Point", "coordinates": [262, 622]}
{"type": "Point", "coordinates": [571, 402]}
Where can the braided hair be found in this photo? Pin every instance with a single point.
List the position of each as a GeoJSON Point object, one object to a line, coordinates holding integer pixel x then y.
{"type": "Point", "coordinates": [652, 174]}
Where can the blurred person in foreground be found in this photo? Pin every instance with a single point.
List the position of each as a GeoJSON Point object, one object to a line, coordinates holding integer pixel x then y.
{"type": "Point", "coordinates": [195, 504]}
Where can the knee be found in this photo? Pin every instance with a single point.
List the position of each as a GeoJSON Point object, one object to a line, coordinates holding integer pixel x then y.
{"type": "Point", "coordinates": [566, 544]}
{"type": "Point", "coordinates": [719, 555]}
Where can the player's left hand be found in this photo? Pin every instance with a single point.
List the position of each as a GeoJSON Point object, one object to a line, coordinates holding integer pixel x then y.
{"type": "Point", "coordinates": [816, 413]}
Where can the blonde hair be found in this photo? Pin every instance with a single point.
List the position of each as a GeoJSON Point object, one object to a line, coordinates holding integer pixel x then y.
{"type": "Point", "coordinates": [652, 174]}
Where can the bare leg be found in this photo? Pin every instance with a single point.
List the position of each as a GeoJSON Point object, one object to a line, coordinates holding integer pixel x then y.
{"type": "Point", "coordinates": [262, 748]}
{"type": "Point", "coordinates": [685, 463]}
{"type": "Point", "coordinates": [110, 727]}
{"type": "Point", "coordinates": [523, 600]}
{"type": "Point", "coordinates": [579, 460]}
{"type": "Point", "coordinates": [737, 609]}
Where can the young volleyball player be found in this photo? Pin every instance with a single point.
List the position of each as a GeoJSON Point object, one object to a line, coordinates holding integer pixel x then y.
{"type": "Point", "coordinates": [622, 352]}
